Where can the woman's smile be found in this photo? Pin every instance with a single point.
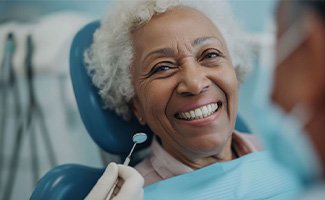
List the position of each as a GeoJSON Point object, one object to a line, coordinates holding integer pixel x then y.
{"type": "Point", "coordinates": [199, 112]}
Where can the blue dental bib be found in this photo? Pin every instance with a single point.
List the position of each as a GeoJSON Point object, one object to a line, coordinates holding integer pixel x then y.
{"type": "Point", "coordinates": [252, 177]}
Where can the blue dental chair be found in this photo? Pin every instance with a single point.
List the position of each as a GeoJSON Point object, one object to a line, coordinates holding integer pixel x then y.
{"type": "Point", "coordinates": [109, 131]}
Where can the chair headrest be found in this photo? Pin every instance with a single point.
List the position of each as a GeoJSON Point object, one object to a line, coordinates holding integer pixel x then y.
{"type": "Point", "coordinates": [111, 132]}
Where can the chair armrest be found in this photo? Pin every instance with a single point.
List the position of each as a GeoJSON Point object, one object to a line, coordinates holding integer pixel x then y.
{"type": "Point", "coordinates": [66, 182]}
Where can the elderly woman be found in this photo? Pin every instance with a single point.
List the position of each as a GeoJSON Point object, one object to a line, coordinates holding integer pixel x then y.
{"type": "Point", "coordinates": [176, 65]}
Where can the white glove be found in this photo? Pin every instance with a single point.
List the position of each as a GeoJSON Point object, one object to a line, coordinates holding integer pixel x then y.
{"type": "Point", "coordinates": [132, 187]}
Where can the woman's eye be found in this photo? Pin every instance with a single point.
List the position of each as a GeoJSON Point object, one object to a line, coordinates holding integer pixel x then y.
{"type": "Point", "coordinates": [161, 68]}
{"type": "Point", "coordinates": [211, 54]}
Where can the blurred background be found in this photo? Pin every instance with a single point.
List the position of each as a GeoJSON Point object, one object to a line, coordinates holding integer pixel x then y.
{"type": "Point", "coordinates": [40, 126]}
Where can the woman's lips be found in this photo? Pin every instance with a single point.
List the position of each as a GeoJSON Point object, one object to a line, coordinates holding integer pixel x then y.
{"type": "Point", "coordinates": [201, 112]}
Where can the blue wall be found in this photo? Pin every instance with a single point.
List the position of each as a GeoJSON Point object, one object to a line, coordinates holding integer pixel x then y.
{"type": "Point", "coordinates": [253, 14]}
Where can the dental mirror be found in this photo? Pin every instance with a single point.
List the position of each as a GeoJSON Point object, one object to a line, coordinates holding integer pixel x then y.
{"type": "Point", "coordinates": [137, 138]}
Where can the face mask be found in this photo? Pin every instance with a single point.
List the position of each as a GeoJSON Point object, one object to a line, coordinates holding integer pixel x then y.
{"type": "Point", "coordinates": [283, 133]}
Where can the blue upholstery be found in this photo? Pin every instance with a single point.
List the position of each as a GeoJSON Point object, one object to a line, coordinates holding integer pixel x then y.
{"type": "Point", "coordinates": [241, 126]}
{"type": "Point", "coordinates": [109, 131]}
{"type": "Point", "coordinates": [66, 182]}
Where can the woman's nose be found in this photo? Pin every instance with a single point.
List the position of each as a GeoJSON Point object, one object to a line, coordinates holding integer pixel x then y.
{"type": "Point", "coordinates": [193, 81]}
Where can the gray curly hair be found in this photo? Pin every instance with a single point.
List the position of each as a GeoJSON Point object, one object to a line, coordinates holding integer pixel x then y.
{"type": "Point", "coordinates": [109, 58]}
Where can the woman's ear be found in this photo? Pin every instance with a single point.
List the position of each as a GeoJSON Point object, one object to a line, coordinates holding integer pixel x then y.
{"type": "Point", "coordinates": [137, 110]}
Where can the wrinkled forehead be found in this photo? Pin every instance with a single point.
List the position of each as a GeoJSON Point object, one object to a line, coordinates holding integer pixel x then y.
{"type": "Point", "coordinates": [178, 24]}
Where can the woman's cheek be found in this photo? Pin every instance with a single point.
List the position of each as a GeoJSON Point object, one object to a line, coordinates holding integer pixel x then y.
{"type": "Point", "coordinates": [153, 98]}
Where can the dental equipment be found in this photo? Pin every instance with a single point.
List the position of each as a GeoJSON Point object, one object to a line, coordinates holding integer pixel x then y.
{"type": "Point", "coordinates": [26, 126]}
{"type": "Point", "coordinates": [8, 88]}
{"type": "Point", "coordinates": [137, 138]}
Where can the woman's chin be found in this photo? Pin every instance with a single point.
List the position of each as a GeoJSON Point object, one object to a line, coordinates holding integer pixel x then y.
{"type": "Point", "coordinates": [208, 145]}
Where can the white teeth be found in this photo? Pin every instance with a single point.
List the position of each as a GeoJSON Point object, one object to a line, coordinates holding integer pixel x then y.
{"type": "Point", "coordinates": [183, 115]}
{"type": "Point", "coordinates": [209, 108]}
{"type": "Point", "coordinates": [188, 115]}
{"type": "Point", "coordinates": [205, 111]}
{"type": "Point", "coordinates": [192, 114]}
{"type": "Point", "coordinates": [199, 113]}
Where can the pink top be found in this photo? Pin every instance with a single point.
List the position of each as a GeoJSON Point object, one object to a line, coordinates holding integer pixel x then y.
{"type": "Point", "coordinates": [161, 165]}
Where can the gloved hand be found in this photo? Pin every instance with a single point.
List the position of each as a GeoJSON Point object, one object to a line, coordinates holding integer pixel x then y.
{"type": "Point", "coordinates": [132, 188]}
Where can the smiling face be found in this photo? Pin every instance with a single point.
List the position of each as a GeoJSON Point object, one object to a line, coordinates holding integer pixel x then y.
{"type": "Point", "coordinates": [185, 85]}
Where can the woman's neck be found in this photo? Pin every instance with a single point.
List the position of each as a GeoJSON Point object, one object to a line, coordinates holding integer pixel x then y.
{"type": "Point", "coordinates": [197, 161]}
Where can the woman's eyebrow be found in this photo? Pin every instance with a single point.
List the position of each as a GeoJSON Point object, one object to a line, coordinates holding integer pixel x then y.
{"type": "Point", "coordinates": [163, 51]}
{"type": "Point", "coordinates": [201, 40]}
{"type": "Point", "coordinates": [168, 52]}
